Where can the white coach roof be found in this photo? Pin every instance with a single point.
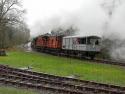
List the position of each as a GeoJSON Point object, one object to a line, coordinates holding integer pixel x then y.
{"type": "Point", "coordinates": [78, 36]}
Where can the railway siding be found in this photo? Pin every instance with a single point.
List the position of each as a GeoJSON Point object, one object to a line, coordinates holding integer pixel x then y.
{"type": "Point", "coordinates": [29, 79]}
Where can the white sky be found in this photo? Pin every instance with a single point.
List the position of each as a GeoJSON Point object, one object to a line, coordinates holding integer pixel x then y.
{"type": "Point", "coordinates": [87, 15]}
{"type": "Point", "coordinates": [40, 9]}
{"type": "Point", "coordinates": [54, 12]}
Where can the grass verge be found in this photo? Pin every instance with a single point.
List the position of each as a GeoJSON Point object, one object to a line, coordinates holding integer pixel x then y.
{"type": "Point", "coordinates": [103, 73]}
{"type": "Point", "coordinates": [11, 90]}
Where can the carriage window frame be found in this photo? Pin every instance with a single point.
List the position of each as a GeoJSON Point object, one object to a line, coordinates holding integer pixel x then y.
{"type": "Point", "coordinates": [89, 41]}
{"type": "Point", "coordinates": [82, 40]}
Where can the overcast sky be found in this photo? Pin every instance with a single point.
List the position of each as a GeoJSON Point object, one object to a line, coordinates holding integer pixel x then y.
{"type": "Point", "coordinates": [42, 9]}
{"type": "Point", "coordinates": [87, 15]}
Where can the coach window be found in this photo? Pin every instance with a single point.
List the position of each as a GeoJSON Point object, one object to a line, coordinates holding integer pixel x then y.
{"type": "Point", "coordinates": [88, 41]}
{"type": "Point", "coordinates": [82, 40]}
{"type": "Point", "coordinates": [97, 42]}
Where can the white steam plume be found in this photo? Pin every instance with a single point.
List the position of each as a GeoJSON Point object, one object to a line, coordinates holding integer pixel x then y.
{"type": "Point", "coordinates": [88, 19]}
{"type": "Point", "coordinates": [116, 33]}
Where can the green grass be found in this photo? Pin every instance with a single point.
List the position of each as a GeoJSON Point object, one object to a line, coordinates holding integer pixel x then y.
{"type": "Point", "coordinates": [10, 90]}
{"type": "Point", "coordinates": [64, 67]}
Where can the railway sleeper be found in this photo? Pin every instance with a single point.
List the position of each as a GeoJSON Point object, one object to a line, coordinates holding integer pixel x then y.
{"type": "Point", "coordinates": [73, 79]}
{"type": "Point", "coordinates": [95, 90]}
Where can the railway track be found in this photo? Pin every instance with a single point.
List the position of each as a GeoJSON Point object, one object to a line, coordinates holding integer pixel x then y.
{"type": "Point", "coordinates": [120, 63]}
{"type": "Point", "coordinates": [54, 83]}
{"type": "Point", "coordinates": [104, 61]}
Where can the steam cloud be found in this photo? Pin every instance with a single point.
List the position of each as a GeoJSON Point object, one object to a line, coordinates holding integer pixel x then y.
{"type": "Point", "coordinates": [116, 33]}
{"type": "Point", "coordinates": [89, 20]}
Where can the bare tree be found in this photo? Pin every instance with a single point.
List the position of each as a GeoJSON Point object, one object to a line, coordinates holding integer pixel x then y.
{"type": "Point", "coordinates": [64, 32]}
{"type": "Point", "coordinates": [10, 14]}
{"type": "Point", "coordinates": [10, 11]}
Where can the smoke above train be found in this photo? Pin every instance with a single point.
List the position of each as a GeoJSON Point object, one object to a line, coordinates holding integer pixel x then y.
{"type": "Point", "coordinates": [89, 19]}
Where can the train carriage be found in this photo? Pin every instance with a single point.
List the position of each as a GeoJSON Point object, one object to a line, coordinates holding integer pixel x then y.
{"type": "Point", "coordinates": [87, 46]}
{"type": "Point", "coordinates": [40, 43]}
{"type": "Point", "coordinates": [54, 42]}
{"type": "Point", "coordinates": [84, 45]}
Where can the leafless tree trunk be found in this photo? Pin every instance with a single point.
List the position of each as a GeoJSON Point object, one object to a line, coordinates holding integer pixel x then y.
{"type": "Point", "coordinates": [11, 14]}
